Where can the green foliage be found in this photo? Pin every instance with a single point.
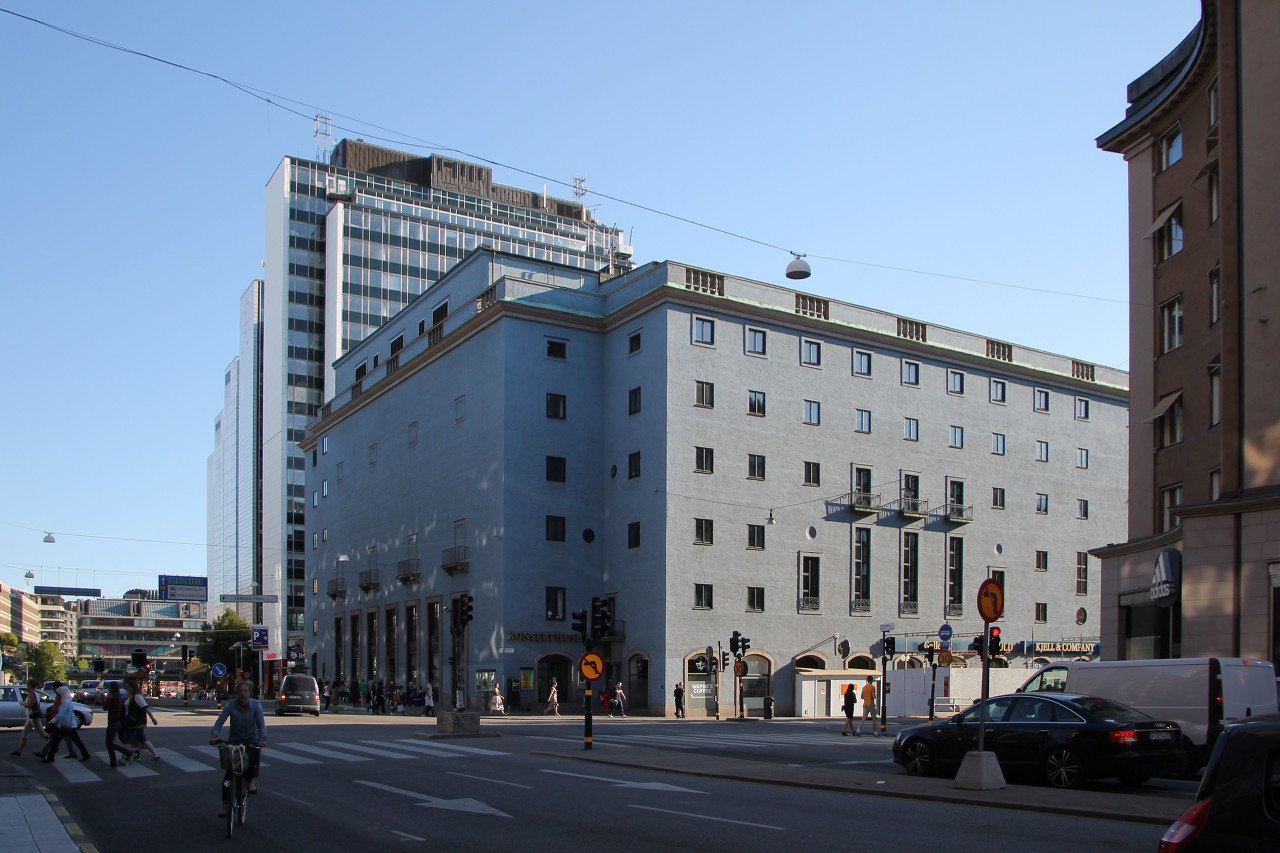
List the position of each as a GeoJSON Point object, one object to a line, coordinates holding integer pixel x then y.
{"type": "Point", "coordinates": [46, 663]}
{"type": "Point", "coordinates": [217, 639]}
{"type": "Point", "coordinates": [8, 642]}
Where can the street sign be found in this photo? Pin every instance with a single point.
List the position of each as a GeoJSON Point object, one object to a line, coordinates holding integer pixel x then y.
{"type": "Point", "coordinates": [990, 600]}
{"type": "Point", "coordinates": [591, 666]}
{"type": "Point", "coordinates": [886, 628]}
{"type": "Point", "coordinates": [739, 668]}
{"type": "Point", "coordinates": [258, 637]}
{"type": "Point", "coordinates": [944, 658]}
{"type": "Point", "coordinates": [506, 650]}
{"type": "Point", "coordinates": [218, 670]}
{"type": "Point", "coordinates": [249, 599]}
{"type": "Point", "coordinates": [944, 633]}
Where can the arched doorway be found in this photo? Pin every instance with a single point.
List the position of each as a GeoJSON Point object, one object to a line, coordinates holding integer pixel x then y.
{"type": "Point", "coordinates": [638, 682]}
{"type": "Point", "coordinates": [861, 662]}
{"type": "Point", "coordinates": [909, 662]}
{"type": "Point", "coordinates": [810, 662]}
{"type": "Point", "coordinates": [555, 666]}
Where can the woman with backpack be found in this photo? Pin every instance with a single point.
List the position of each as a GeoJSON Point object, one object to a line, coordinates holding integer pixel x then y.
{"type": "Point", "coordinates": [115, 708]}
{"type": "Point", "coordinates": [34, 716]}
{"type": "Point", "coordinates": [135, 723]}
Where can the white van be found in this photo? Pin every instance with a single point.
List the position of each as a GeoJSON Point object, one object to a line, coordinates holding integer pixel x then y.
{"type": "Point", "coordinates": [1199, 694]}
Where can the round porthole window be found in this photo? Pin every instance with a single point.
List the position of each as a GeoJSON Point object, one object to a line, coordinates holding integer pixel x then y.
{"type": "Point", "coordinates": [812, 533]}
{"type": "Point", "coordinates": [1082, 616]}
{"type": "Point", "coordinates": [588, 536]}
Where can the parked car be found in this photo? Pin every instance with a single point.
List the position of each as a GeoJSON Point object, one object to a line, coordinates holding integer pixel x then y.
{"type": "Point", "coordinates": [1237, 807]}
{"type": "Point", "coordinates": [13, 714]}
{"type": "Point", "coordinates": [1201, 695]}
{"type": "Point", "coordinates": [1061, 739]}
{"type": "Point", "coordinates": [88, 692]}
{"type": "Point", "coordinates": [298, 693]}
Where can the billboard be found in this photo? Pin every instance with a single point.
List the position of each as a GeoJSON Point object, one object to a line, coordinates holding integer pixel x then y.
{"type": "Point", "coordinates": [183, 588]}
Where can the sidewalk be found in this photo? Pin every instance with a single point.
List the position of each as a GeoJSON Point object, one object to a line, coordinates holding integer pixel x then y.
{"type": "Point", "coordinates": [28, 819]}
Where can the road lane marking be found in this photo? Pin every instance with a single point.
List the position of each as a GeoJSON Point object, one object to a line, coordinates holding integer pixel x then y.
{"type": "Point", "coordinates": [707, 817]}
{"type": "Point", "coordinates": [73, 770]}
{"type": "Point", "coordinates": [473, 750]}
{"type": "Point", "coordinates": [425, 750]}
{"type": "Point", "coordinates": [213, 751]}
{"type": "Point", "coordinates": [578, 740]}
{"type": "Point", "coordinates": [464, 804]}
{"type": "Point", "coordinates": [486, 779]}
{"type": "Point", "coordinates": [622, 783]}
{"type": "Point", "coordinates": [358, 748]}
{"type": "Point", "coordinates": [315, 750]}
{"type": "Point", "coordinates": [176, 759]}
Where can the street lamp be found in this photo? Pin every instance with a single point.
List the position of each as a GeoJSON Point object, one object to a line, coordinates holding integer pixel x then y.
{"type": "Point", "coordinates": [48, 538]}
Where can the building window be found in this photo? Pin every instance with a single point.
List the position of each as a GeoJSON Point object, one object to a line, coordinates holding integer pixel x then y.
{"type": "Point", "coordinates": [704, 460]}
{"type": "Point", "coordinates": [910, 571]}
{"type": "Point", "coordinates": [704, 394]}
{"type": "Point", "coordinates": [460, 409]}
{"type": "Point", "coordinates": [413, 434]}
{"type": "Point", "coordinates": [957, 436]}
{"type": "Point", "coordinates": [1042, 561]}
{"type": "Point", "coordinates": [557, 406]}
{"type": "Point", "coordinates": [1215, 196]}
{"type": "Point", "coordinates": [997, 497]}
{"type": "Point", "coordinates": [863, 421]}
{"type": "Point", "coordinates": [704, 331]}
{"type": "Point", "coordinates": [1215, 394]}
{"type": "Point", "coordinates": [811, 583]}
{"type": "Point", "coordinates": [861, 363]}
{"type": "Point", "coordinates": [755, 403]}
{"type": "Point", "coordinates": [1042, 612]}
{"type": "Point", "coordinates": [1082, 508]}
{"type": "Point", "coordinates": [755, 466]}
{"type": "Point", "coordinates": [555, 528]}
{"type": "Point", "coordinates": [703, 531]}
{"type": "Point", "coordinates": [955, 382]}
{"type": "Point", "coordinates": [702, 599]}
{"type": "Point", "coordinates": [633, 401]}
{"type": "Point", "coordinates": [1170, 500]}
{"type": "Point", "coordinates": [999, 391]}
{"type": "Point", "coordinates": [910, 429]}
{"type": "Point", "coordinates": [555, 603]}
{"type": "Point", "coordinates": [1170, 235]}
{"type": "Point", "coordinates": [373, 454]}
{"type": "Point", "coordinates": [812, 412]}
{"type": "Point", "coordinates": [755, 537]}
{"type": "Point", "coordinates": [757, 341]}
{"type": "Point", "coordinates": [556, 467]}
{"type": "Point", "coordinates": [1215, 484]}
{"type": "Point", "coordinates": [633, 534]}
{"type": "Point", "coordinates": [1082, 457]}
{"type": "Point", "coordinates": [324, 445]}
{"type": "Point", "coordinates": [1171, 425]}
{"type": "Point", "coordinates": [755, 599]}
{"type": "Point", "coordinates": [997, 443]}
{"type": "Point", "coordinates": [1211, 95]}
{"type": "Point", "coordinates": [315, 540]}
{"type": "Point", "coordinates": [1171, 147]}
{"type": "Point", "coordinates": [1042, 451]}
{"type": "Point", "coordinates": [557, 349]}
{"type": "Point", "coordinates": [1215, 295]}
{"type": "Point", "coordinates": [633, 343]}
{"type": "Point", "coordinates": [1171, 324]}
{"type": "Point", "coordinates": [1041, 400]}
{"type": "Point", "coordinates": [810, 352]}
{"type": "Point", "coordinates": [324, 534]}
{"type": "Point", "coordinates": [910, 373]}
{"type": "Point", "coordinates": [812, 474]}
{"type": "Point", "coordinates": [633, 465]}
{"type": "Point", "coordinates": [315, 497]}
{"type": "Point", "coordinates": [911, 486]}
{"type": "Point", "coordinates": [1082, 572]}
{"type": "Point", "coordinates": [324, 488]}
{"type": "Point", "coordinates": [862, 481]}
{"type": "Point", "coordinates": [955, 571]}
{"type": "Point", "coordinates": [862, 566]}
{"type": "Point", "coordinates": [1082, 408]}
{"type": "Point", "coordinates": [1042, 503]}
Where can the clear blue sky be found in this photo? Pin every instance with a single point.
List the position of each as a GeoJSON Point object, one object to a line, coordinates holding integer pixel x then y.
{"type": "Point", "coordinates": [952, 138]}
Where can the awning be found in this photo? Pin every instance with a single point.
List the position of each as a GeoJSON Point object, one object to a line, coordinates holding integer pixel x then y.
{"type": "Point", "coordinates": [1163, 406]}
{"type": "Point", "coordinates": [1162, 218]}
{"type": "Point", "coordinates": [1209, 168]}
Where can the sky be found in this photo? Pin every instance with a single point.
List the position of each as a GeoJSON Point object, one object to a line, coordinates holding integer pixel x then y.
{"type": "Point", "coordinates": [932, 159]}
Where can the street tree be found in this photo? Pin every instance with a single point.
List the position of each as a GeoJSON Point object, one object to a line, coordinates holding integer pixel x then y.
{"type": "Point", "coordinates": [46, 663]}
{"type": "Point", "coordinates": [216, 640]}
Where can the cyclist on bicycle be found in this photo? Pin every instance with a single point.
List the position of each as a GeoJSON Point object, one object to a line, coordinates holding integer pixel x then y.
{"type": "Point", "coordinates": [248, 729]}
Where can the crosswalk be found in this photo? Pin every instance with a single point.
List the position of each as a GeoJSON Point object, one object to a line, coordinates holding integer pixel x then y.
{"type": "Point", "coordinates": [205, 758]}
{"type": "Point", "coordinates": [700, 738]}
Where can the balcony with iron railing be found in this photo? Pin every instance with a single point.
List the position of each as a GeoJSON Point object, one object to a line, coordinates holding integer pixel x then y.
{"type": "Point", "coordinates": [409, 570]}
{"type": "Point", "coordinates": [910, 507]}
{"type": "Point", "coordinates": [337, 588]}
{"type": "Point", "coordinates": [958, 513]}
{"type": "Point", "coordinates": [860, 606]}
{"type": "Point", "coordinates": [455, 559]}
{"type": "Point", "coordinates": [908, 608]}
{"type": "Point", "coordinates": [809, 604]}
{"type": "Point", "coordinates": [864, 502]}
{"type": "Point", "coordinates": [369, 580]}
{"type": "Point", "coordinates": [955, 608]}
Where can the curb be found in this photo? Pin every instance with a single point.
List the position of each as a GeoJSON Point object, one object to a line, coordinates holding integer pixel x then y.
{"type": "Point", "coordinates": [77, 836]}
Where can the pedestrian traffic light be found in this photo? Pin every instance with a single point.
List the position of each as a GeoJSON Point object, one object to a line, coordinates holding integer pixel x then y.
{"type": "Point", "coordinates": [734, 641]}
{"type": "Point", "coordinates": [724, 660]}
{"type": "Point", "coordinates": [979, 644]}
{"type": "Point", "coordinates": [743, 645]}
{"type": "Point", "coordinates": [466, 602]}
{"type": "Point", "coordinates": [993, 641]}
{"type": "Point", "coordinates": [580, 623]}
{"type": "Point", "coordinates": [890, 646]}
{"type": "Point", "coordinates": [601, 618]}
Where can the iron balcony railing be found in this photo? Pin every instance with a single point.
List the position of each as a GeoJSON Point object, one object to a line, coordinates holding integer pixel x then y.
{"type": "Point", "coordinates": [409, 570]}
{"type": "Point", "coordinates": [337, 587]}
{"type": "Point", "coordinates": [455, 559]}
{"type": "Point", "coordinates": [369, 579]}
{"type": "Point", "coordinates": [958, 513]}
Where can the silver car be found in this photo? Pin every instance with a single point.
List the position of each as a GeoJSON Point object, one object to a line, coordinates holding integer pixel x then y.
{"type": "Point", "coordinates": [13, 714]}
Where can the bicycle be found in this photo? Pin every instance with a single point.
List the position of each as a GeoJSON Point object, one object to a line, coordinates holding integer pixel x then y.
{"type": "Point", "coordinates": [236, 760]}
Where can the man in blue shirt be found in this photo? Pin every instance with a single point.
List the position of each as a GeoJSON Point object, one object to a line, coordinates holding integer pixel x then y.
{"type": "Point", "coordinates": [248, 729]}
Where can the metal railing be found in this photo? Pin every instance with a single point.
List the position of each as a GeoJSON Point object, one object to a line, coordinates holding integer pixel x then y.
{"type": "Point", "coordinates": [864, 501]}
{"type": "Point", "coordinates": [455, 559]}
{"type": "Point", "coordinates": [810, 603]}
{"type": "Point", "coordinates": [908, 608]}
{"type": "Point", "coordinates": [337, 587]}
{"type": "Point", "coordinates": [958, 512]}
{"type": "Point", "coordinates": [914, 506]}
{"type": "Point", "coordinates": [408, 570]}
{"type": "Point", "coordinates": [369, 579]}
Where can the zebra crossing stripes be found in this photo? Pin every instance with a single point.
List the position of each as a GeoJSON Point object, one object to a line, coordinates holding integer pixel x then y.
{"type": "Point", "coordinates": [212, 752]}
{"type": "Point", "coordinates": [316, 750]}
{"type": "Point", "coordinates": [369, 749]}
{"type": "Point", "coordinates": [180, 761]}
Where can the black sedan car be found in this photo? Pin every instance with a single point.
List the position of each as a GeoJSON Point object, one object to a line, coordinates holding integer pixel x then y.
{"type": "Point", "coordinates": [1061, 739]}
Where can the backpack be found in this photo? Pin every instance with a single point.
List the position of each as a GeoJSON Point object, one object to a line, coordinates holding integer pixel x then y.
{"type": "Point", "coordinates": [135, 717]}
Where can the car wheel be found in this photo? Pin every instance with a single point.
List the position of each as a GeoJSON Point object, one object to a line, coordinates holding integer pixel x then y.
{"type": "Point", "coordinates": [1062, 769]}
{"type": "Point", "coordinates": [81, 720]}
{"type": "Point", "coordinates": [917, 757]}
{"type": "Point", "coordinates": [1133, 780]}
{"type": "Point", "coordinates": [315, 713]}
{"type": "Point", "coordinates": [1191, 762]}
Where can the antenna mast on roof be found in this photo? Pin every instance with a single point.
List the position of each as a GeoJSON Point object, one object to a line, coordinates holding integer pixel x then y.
{"type": "Point", "coordinates": [579, 187]}
{"type": "Point", "coordinates": [324, 136]}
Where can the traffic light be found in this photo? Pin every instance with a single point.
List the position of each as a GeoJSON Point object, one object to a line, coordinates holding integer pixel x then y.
{"type": "Point", "coordinates": [466, 602]}
{"type": "Point", "coordinates": [724, 661]}
{"type": "Point", "coordinates": [890, 646]}
{"type": "Point", "coordinates": [601, 618]}
{"type": "Point", "coordinates": [186, 654]}
{"type": "Point", "coordinates": [743, 645]}
{"type": "Point", "coordinates": [734, 642]}
{"type": "Point", "coordinates": [979, 644]}
{"type": "Point", "coordinates": [993, 642]}
{"type": "Point", "coordinates": [580, 623]}
{"type": "Point", "coordinates": [139, 659]}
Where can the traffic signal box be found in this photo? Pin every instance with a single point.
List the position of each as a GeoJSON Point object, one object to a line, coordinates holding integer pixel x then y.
{"type": "Point", "coordinates": [601, 618]}
{"type": "Point", "coordinates": [580, 624]}
{"type": "Point", "coordinates": [467, 614]}
{"type": "Point", "coordinates": [890, 646]}
{"type": "Point", "coordinates": [993, 641]}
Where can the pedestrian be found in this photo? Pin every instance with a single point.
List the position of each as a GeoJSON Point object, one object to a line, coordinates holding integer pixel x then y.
{"type": "Point", "coordinates": [868, 707]}
{"type": "Point", "coordinates": [496, 705]}
{"type": "Point", "coordinates": [379, 705]}
{"type": "Point", "coordinates": [64, 726]}
{"type": "Point", "coordinates": [136, 714]}
{"type": "Point", "coordinates": [327, 691]}
{"type": "Point", "coordinates": [49, 714]}
{"type": "Point", "coordinates": [679, 693]}
{"type": "Point", "coordinates": [553, 699]}
{"type": "Point", "coordinates": [115, 708]}
{"type": "Point", "coordinates": [850, 703]}
{"type": "Point", "coordinates": [248, 729]}
{"type": "Point", "coordinates": [430, 700]}
{"type": "Point", "coordinates": [33, 714]}
{"type": "Point", "coordinates": [619, 699]}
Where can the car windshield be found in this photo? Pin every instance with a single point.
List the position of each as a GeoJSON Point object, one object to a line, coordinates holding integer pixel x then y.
{"type": "Point", "coordinates": [295, 682]}
{"type": "Point", "coordinates": [1107, 709]}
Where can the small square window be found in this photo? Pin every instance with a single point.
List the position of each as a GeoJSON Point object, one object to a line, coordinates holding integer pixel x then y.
{"type": "Point", "coordinates": [1042, 451]}
{"type": "Point", "coordinates": [556, 469]}
{"type": "Point", "coordinates": [997, 443]}
{"type": "Point", "coordinates": [1082, 408]}
{"type": "Point", "coordinates": [704, 331]}
{"type": "Point", "coordinates": [1042, 561]}
{"type": "Point", "coordinates": [957, 436]}
{"type": "Point", "coordinates": [810, 353]}
{"type": "Point", "coordinates": [702, 596]}
{"type": "Point", "coordinates": [812, 474]}
{"type": "Point", "coordinates": [1082, 457]}
{"type": "Point", "coordinates": [910, 429]}
{"type": "Point", "coordinates": [755, 599]}
{"type": "Point", "coordinates": [1082, 508]}
{"type": "Point", "coordinates": [863, 421]}
{"type": "Point", "coordinates": [755, 537]}
{"type": "Point", "coordinates": [999, 391]}
{"type": "Point", "coordinates": [704, 460]}
{"type": "Point", "coordinates": [633, 342]}
{"type": "Point", "coordinates": [555, 528]}
{"type": "Point", "coordinates": [910, 373]}
{"type": "Point", "coordinates": [997, 497]}
{"type": "Point", "coordinates": [633, 534]}
{"type": "Point", "coordinates": [557, 406]}
{"type": "Point", "coordinates": [757, 341]}
{"type": "Point", "coordinates": [633, 465]}
{"type": "Point", "coordinates": [633, 401]}
{"type": "Point", "coordinates": [703, 531]}
{"type": "Point", "coordinates": [557, 349]}
{"type": "Point", "coordinates": [1042, 504]}
{"type": "Point", "coordinates": [861, 363]}
{"type": "Point", "coordinates": [704, 394]}
{"type": "Point", "coordinates": [755, 403]}
{"type": "Point", "coordinates": [955, 382]}
{"type": "Point", "coordinates": [755, 466]}
{"type": "Point", "coordinates": [1041, 400]}
{"type": "Point", "coordinates": [812, 412]}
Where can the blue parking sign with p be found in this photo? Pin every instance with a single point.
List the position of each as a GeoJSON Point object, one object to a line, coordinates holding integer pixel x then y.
{"type": "Point", "coordinates": [258, 639]}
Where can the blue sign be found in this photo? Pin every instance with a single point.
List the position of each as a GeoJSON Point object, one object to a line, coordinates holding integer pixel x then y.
{"type": "Point", "coordinates": [258, 637]}
{"type": "Point", "coordinates": [944, 633]}
{"type": "Point", "coordinates": [218, 670]}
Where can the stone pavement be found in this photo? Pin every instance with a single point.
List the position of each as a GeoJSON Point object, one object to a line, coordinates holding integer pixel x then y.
{"type": "Point", "coordinates": [30, 820]}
